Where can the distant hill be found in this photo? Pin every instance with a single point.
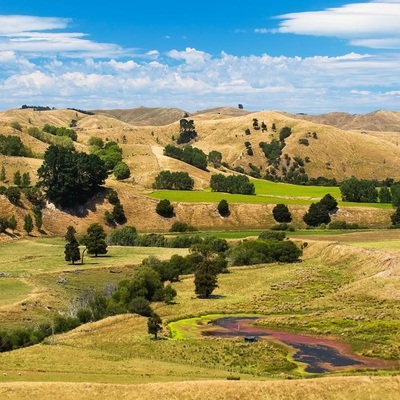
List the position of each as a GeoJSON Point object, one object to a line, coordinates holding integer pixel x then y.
{"type": "Point", "coordinates": [144, 116]}
{"type": "Point", "coordinates": [378, 121]}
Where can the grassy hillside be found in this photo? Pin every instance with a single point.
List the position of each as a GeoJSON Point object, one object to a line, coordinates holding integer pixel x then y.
{"type": "Point", "coordinates": [302, 297]}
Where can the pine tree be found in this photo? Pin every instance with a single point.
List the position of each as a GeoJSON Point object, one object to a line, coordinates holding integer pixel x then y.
{"type": "Point", "coordinates": [17, 179]}
{"type": "Point", "coordinates": [28, 224]}
{"type": "Point", "coordinates": [12, 223]}
{"type": "Point", "coordinates": [95, 240]}
{"type": "Point", "coordinates": [154, 324]}
{"type": "Point", "coordinates": [71, 251]}
{"type": "Point", "coordinates": [3, 175]}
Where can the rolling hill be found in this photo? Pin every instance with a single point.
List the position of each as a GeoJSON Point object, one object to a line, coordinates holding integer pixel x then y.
{"type": "Point", "coordinates": [331, 152]}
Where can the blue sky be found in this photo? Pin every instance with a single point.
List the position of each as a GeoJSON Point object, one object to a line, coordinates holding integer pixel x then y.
{"type": "Point", "coordinates": [308, 56]}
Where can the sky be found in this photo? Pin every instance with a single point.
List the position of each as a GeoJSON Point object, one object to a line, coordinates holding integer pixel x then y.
{"type": "Point", "coordinates": [309, 56]}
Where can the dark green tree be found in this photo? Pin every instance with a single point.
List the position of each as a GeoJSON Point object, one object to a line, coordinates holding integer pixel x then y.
{"type": "Point", "coordinates": [28, 224]}
{"type": "Point", "coordinates": [395, 192]}
{"type": "Point", "coordinates": [358, 190]}
{"type": "Point", "coordinates": [223, 208]}
{"type": "Point", "coordinates": [329, 202]}
{"type": "Point", "coordinates": [38, 216]}
{"type": "Point", "coordinates": [17, 179]}
{"type": "Point", "coordinates": [69, 178]}
{"type": "Point", "coordinates": [3, 175]}
{"type": "Point", "coordinates": [26, 180]}
{"type": "Point", "coordinates": [281, 213]}
{"type": "Point", "coordinates": [13, 194]}
{"type": "Point", "coordinates": [4, 224]}
{"type": "Point", "coordinates": [316, 215]}
{"type": "Point", "coordinates": [122, 171]}
{"type": "Point", "coordinates": [385, 195]}
{"type": "Point", "coordinates": [154, 325]}
{"type": "Point", "coordinates": [395, 217]}
{"type": "Point", "coordinates": [12, 223]}
{"type": "Point", "coordinates": [94, 240]}
{"type": "Point", "coordinates": [165, 208]}
{"type": "Point", "coordinates": [71, 251]}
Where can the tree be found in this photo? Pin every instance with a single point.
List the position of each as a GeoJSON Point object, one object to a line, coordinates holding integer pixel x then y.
{"type": "Point", "coordinates": [223, 208]}
{"type": "Point", "coordinates": [26, 180]}
{"type": "Point", "coordinates": [4, 224]}
{"type": "Point", "coordinates": [385, 195]}
{"type": "Point", "coordinates": [70, 178]}
{"type": "Point", "coordinates": [395, 192]}
{"type": "Point", "coordinates": [71, 251]}
{"type": "Point", "coordinates": [316, 215]}
{"type": "Point", "coordinates": [13, 194]}
{"type": "Point", "coordinates": [121, 171]}
{"type": "Point", "coordinates": [329, 202]}
{"type": "Point", "coordinates": [165, 208]}
{"type": "Point", "coordinates": [395, 218]}
{"type": "Point", "coordinates": [38, 215]}
{"type": "Point", "coordinates": [358, 190]}
{"type": "Point", "coordinates": [154, 324]}
{"type": "Point", "coordinates": [281, 213]}
{"type": "Point", "coordinates": [215, 158]}
{"type": "Point", "coordinates": [17, 179]}
{"type": "Point", "coordinates": [94, 240]}
{"type": "Point", "coordinates": [3, 175]}
{"type": "Point", "coordinates": [28, 224]}
{"type": "Point", "coordinates": [12, 223]}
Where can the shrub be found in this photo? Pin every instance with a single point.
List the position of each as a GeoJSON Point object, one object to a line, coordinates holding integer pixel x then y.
{"type": "Point", "coordinates": [178, 226]}
{"type": "Point", "coordinates": [121, 171]}
{"type": "Point", "coordinates": [165, 208]}
{"type": "Point", "coordinates": [272, 235]}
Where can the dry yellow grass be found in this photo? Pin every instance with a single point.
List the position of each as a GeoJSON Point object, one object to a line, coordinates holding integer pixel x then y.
{"type": "Point", "coordinates": [341, 388]}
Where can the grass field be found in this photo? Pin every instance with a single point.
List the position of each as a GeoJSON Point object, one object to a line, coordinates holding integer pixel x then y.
{"type": "Point", "coordinates": [266, 193]}
{"type": "Point", "coordinates": [337, 291]}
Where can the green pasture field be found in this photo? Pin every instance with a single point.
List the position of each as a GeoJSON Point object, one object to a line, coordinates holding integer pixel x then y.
{"type": "Point", "coordinates": [266, 193]}
{"type": "Point", "coordinates": [46, 255]}
{"type": "Point", "coordinates": [13, 290]}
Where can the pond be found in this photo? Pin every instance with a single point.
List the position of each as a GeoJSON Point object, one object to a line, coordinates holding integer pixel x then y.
{"type": "Point", "coordinates": [317, 353]}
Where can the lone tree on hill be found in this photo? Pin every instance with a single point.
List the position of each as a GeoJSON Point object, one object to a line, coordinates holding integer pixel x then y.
{"type": "Point", "coordinates": [71, 252]}
{"type": "Point", "coordinates": [316, 215]}
{"type": "Point", "coordinates": [94, 240]}
{"type": "Point", "coordinates": [223, 208]}
{"type": "Point", "coordinates": [154, 324]}
{"type": "Point", "coordinates": [281, 213]}
{"type": "Point", "coordinates": [165, 208]}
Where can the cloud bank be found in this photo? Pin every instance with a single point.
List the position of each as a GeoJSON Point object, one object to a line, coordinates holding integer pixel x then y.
{"type": "Point", "coordinates": [44, 64]}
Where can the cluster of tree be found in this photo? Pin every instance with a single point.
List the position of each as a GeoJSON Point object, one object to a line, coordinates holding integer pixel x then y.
{"type": "Point", "coordinates": [117, 215]}
{"type": "Point", "coordinates": [188, 154]}
{"type": "Point", "coordinates": [110, 152]}
{"type": "Point", "coordinates": [262, 251]}
{"type": "Point", "coordinates": [239, 184]}
{"type": "Point", "coordinates": [319, 213]}
{"type": "Point", "coordinates": [12, 146]}
{"type": "Point", "coordinates": [22, 181]}
{"type": "Point", "coordinates": [187, 131]}
{"type": "Point", "coordinates": [128, 236]}
{"type": "Point", "coordinates": [62, 141]}
{"type": "Point", "coordinates": [362, 190]}
{"type": "Point", "coordinates": [342, 225]}
{"type": "Point", "coordinates": [60, 131]}
{"type": "Point", "coordinates": [94, 242]}
{"type": "Point", "coordinates": [38, 108]}
{"type": "Point", "coordinates": [81, 111]}
{"type": "Point", "coordinates": [173, 181]}
{"type": "Point", "coordinates": [68, 177]}
{"type": "Point", "coordinates": [179, 226]}
{"type": "Point", "coordinates": [272, 150]}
